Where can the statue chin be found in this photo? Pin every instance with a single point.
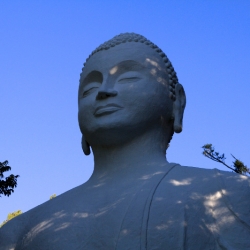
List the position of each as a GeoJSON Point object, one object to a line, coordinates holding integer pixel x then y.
{"type": "Point", "coordinates": [130, 102]}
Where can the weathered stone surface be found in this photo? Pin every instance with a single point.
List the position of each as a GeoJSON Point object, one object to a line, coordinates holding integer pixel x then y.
{"type": "Point", "coordinates": [130, 104]}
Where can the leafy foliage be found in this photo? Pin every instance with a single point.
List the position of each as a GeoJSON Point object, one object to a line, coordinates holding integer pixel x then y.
{"type": "Point", "coordinates": [238, 166]}
{"type": "Point", "coordinates": [52, 196]}
{"type": "Point", "coordinates": [7, 186]}
{"type": "Point", "coordinates": [11, 216]}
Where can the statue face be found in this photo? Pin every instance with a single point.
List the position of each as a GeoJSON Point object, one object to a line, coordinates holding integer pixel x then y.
{"type": "Point", "coordinates": [123, 93]}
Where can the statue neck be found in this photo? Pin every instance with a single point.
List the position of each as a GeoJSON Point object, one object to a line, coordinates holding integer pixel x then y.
{"type": "Point", "coordinates": [143, 155]}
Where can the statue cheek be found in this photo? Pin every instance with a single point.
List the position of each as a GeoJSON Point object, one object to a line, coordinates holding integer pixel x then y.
{"type": "Point", "coordinates": [80, 121]}
{"type": "Point", "coordinates": [83, 117]}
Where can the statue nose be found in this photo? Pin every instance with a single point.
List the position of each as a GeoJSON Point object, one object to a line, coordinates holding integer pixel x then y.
{"type": "Point", "coordinates": [102, 94]}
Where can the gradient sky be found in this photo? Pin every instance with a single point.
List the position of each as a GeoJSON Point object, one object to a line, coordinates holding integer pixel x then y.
{"type": "Point", "coordinates": [43, 45]}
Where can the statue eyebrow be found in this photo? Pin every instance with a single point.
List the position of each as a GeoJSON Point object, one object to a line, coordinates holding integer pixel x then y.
{"type": "Point", "coordinates": [93, 76]}
{"type": "Point", "coordinates": [128, 65]}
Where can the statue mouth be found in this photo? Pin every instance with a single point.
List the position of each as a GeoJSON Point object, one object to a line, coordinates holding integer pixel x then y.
{"type": "Point", "coordinates": [108, 109]}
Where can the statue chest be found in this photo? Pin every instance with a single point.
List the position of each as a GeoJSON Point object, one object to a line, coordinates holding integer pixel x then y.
{"type": "Point", "coordinates": [101, 221]}
{"type": "Point", "coordinates": [104, 219]}
{"type": "Point", "coordinates": [169, 212]}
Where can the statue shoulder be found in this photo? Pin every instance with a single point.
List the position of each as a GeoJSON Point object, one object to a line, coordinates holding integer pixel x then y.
{"type": "Point", "coordinates": [11, 232]}
{"type": "Point", "coordinates": [19, 232]}
{"type": "Point", "coordinates": [235, 189]}
{"type": "Point", "coordinates": [209, 199]}
{"type": "Point", "coordinates": [14, 231]}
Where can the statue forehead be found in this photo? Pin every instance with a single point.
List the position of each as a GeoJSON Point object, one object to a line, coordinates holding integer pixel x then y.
{"type": "Point", "coordinates": [106, 59]}
{"type": "Point", "coordinates": [129, 46]}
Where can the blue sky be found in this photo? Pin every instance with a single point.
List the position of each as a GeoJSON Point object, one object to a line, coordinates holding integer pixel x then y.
{"type": "Point", "coordinates": [43, 45]}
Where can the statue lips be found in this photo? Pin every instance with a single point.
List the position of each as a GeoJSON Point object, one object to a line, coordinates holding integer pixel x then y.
{"type": "Point", "coordinates": [108, 109]}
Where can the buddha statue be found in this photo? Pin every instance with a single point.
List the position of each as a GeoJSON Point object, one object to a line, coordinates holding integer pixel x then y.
{"type": "Point", "coordinates": [130, 105]}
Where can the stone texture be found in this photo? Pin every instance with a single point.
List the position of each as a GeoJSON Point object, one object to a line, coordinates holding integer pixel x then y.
{"type": "Point", "coordinates": [130, 104]}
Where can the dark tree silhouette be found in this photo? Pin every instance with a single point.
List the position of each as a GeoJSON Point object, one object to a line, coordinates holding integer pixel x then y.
{"type": "Point", "coordinates": [7, 186]}
{"type": "Point", "coordinates": [238, 166]}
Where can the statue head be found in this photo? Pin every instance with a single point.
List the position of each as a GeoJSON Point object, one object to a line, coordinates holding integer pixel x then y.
{"type": "Point", "coordinates": [127, 87]}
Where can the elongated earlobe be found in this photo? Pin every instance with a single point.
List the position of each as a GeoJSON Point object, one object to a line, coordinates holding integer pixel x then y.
{"type": "Point", "coordinates": [85, 146]}
{"type": "Point", "coordinates": [179, 106]}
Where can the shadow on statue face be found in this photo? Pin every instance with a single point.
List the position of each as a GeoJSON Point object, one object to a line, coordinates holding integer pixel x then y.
{"type": "Point", "coordinates": [123, 93]}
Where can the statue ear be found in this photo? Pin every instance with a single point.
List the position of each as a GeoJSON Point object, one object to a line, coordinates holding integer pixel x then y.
{"type": "Point", "coordinates": [178, 108]}
{"type": "Point", "coordinates": [85, 146]}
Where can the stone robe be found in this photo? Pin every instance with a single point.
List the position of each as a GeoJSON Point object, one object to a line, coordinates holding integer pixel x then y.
{"type": "Point", "coordinates": [179, 208]}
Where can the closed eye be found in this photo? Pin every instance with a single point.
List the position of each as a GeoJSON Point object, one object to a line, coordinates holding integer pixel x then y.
{"type": "Point", "coordinates": [89, 91]}
{"type": "Point", "coordinates": [129, 79]}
